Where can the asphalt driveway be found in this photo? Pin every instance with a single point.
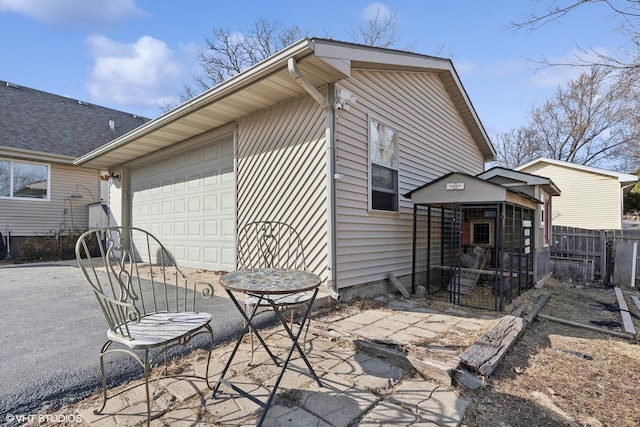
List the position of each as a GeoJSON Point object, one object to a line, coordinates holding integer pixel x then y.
{"type": "Point", "coordinates": [51, 332]}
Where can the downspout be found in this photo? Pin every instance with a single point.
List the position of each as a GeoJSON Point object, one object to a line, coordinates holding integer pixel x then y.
{"type": "Point", "coordinates": [320, 99]}
{"type": "Point", "coordinates": [330, 119]}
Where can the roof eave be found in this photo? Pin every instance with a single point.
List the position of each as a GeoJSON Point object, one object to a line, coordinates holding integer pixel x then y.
{"type": "Point", "coordinates": [32, 155]}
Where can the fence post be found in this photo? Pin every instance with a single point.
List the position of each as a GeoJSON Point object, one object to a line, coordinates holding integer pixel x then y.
{"type": "Point", "coordinates": [610, 261]}
{"type": "Point", "coordinates": [603, 256]}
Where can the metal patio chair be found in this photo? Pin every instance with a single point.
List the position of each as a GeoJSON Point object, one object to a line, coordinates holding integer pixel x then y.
{"type": "Point", "coordinates": [272, 244]}
{"type": "Point", "coordinates": [148, 303]}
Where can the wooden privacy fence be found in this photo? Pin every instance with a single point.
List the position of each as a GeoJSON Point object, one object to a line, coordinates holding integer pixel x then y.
{"type": "Point", "coordinates": [595, 255]}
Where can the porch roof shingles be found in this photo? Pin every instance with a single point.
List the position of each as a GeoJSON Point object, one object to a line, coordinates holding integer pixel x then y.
{"type": "Point", "coordinates": [35, 121]}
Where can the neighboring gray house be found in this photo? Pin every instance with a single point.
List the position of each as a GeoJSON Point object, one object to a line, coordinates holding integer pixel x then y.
{"type": "Point", "coordinates": [323, 135]}
{"type": "Point", "coordinates": [41, 191]}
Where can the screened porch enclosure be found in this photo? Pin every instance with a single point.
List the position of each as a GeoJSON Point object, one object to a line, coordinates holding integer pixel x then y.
{"type": "Point", "coordinates": [473, 242]}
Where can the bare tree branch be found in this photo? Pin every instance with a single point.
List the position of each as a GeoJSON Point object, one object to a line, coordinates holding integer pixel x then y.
{"type": "Point", "coordinates": [228, 53]}
{"type": "Point", "coordinates": [380, 31]}
{"type": "Point", "coordinates": [627, 12]}
{"type": "Point", "coordinates": [591, 120]}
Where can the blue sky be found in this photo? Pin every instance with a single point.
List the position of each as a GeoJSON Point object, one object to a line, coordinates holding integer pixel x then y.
{"type": "Point", "coordinates": [132, 55]}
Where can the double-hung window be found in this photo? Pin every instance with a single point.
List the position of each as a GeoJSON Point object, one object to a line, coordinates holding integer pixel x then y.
{"type": "Point", "coordinates": [383, 166]}
{"type": "Point", "coordinates": [24, 180]}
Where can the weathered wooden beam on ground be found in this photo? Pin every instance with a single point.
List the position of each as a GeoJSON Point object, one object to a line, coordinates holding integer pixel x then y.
{"type": "Point", "coordinates": [589, 327]}
{"type": "Point", "coordinates": [624, 312]}
{"type": "Point", "coordinates": [413, 359]}
{"type": "Point", "coordinates": [540, 302]}
{"type": "Point", "coordinates": [483, 356]}
{"type": "Point", "coordinates": [636, 301]}
{"type": "Point", "coordinates": [404, 356]}
{"type": "Point", "coordinates": [405, 293]}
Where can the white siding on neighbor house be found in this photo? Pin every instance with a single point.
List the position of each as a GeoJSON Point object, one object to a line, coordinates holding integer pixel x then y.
{"type": "Point", "coordinates": [188, 202]}
{"type": "Point", "coordinates": [432, 141]}
{"type": "Point", "coordinates": [588, 200]}
{"type": "Point", "coordinates": [29, 217]}
{"type": "Point", "coordinates": [282, 173]}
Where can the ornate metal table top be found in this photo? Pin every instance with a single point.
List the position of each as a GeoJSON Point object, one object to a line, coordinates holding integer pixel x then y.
{"type": "Point", "coordinates": [263, 281]}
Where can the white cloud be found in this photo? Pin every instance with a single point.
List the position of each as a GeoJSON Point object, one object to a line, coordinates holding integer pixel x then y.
{"type": "Point", "coordinates": [376, 9]}
{"type": "Point", "coordinates": [143, 74]}
{"type": "Point", "coordinates": [83, 12]}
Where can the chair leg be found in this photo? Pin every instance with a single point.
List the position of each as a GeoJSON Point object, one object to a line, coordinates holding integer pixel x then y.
{"type": "Point", "coordinates": [247, 310]}
{"type": "Point", "coordinates": [206, 372]}
{"type": "Point", "coordinates": [104, 379]}
{"type": "Point", "coordinates": [146, 384]}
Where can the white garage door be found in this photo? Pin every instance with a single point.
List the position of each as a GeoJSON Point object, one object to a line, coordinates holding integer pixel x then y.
{"type": "Point", "coordinates": [188, 202]}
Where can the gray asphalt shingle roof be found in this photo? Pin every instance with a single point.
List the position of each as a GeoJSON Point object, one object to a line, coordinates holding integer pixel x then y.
{"type": "Point", "coordinates": [39, 121]}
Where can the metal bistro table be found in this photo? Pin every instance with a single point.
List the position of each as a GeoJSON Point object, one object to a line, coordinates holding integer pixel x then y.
{"type": "Point", "coordinates": [267, 284]}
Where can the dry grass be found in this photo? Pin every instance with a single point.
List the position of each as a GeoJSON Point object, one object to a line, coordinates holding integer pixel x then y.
{"type": "Point", "coordinates": [559, 375]}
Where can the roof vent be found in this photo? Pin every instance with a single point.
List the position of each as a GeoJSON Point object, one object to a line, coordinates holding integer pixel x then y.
{"type": "Point", "coordinates": [12, 85]}
{"type": "Point", "coordinates": [112, 125]}
{"type": "Point", "coordinates": [83, 103]}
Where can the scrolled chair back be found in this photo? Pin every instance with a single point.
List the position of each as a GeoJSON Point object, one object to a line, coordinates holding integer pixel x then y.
{"type": "Point", "coordinates": [270, 244]}
{"type": "Point", "coordinates": [134, 275]}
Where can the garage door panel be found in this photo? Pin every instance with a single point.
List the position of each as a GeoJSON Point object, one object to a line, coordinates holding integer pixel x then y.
{"type": "Point", "coordinates": [210, 202]}
{"type": "Point", "coordinates": [194, 230]}
{"type": "Point", "coordinates": [211, 255]}
{"type": "Point", "coordinates": [211, 229]}
{"type": "Point", "coordinates": [179, 184]}
{"type": "Point", "coordinates": [193, 204]}
{"type": "Point", "coordinates": [167, 228]}
{"type": "Point", "coordinates": [179, 252]}
{"type": "Point", "coordinates": [180, 229]}
{"type": "Point", "coordinates": [188, 202]}
{"type": "Point", "coordinates": [154, 208]}
{"type": "Point", "coordinates": [179, 206]}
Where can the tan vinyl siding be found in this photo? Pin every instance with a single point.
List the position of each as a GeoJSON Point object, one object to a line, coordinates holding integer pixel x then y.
{"type": "Point", "coordinates": [41, 217]}
{"type": "Point", "coordinates": [588, 200]}
{"type": "Point", "coordinates": [432, 141]}
{"type": "Point", "coordinates": [282, 173]}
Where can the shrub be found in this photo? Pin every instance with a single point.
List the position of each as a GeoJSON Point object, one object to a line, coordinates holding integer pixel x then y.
{"type": "Point", "coordinates": [632, 202]}
{"type": "Point", "coordinates": [51, 247]}
{"type": "Point", "coordinates": [40, 248]}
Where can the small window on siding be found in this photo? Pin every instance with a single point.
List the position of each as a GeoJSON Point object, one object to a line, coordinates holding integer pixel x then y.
{"type": "Point", "coordinates": [24, 180]}
{"type": "Point", "coordinates": [383, 166]}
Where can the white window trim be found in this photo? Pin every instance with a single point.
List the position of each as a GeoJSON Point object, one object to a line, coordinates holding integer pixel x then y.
{"type": "Point", "coordinates": [28, 199]}
{"type": "Point", "coordinates": [472, 232]}
{"type": "Point", "coordinates": [371, 117]}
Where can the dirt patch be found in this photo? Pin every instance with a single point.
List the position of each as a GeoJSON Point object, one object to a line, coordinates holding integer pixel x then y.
{"type": "Point", "coordinates": [559, 375]}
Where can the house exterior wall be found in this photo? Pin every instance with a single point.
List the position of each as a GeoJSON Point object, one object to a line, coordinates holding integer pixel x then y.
{"type": "Point", "coordinates": [588, 200]}
{"type": "Point", "coordinates": [282, 174]}
{"type": "Point", "coordinates": [29, 217]}
{"type": "Point", "coordinates": [432, 141]}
